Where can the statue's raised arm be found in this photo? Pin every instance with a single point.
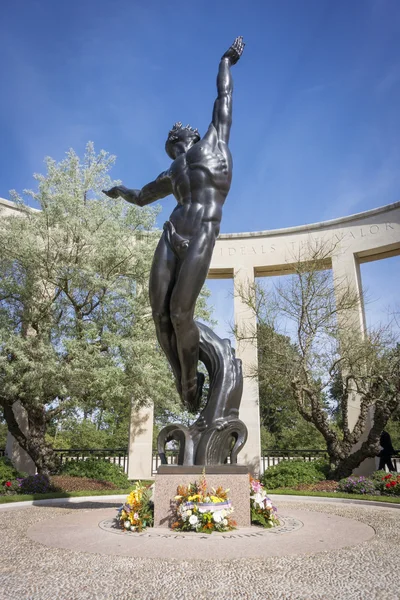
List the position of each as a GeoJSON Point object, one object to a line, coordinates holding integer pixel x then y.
{"type": "Point", "coordinates": [222, 113]}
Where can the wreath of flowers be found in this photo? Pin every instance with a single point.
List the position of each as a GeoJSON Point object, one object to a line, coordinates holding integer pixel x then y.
{"type": "Point", "coordinates": [137, 513]}
{"type": "Point", "coordinates": [202, 511]}
{"type": "Point", "coordinates": [263, 512]}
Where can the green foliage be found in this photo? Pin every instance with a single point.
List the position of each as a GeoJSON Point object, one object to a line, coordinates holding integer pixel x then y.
{"type": "Point", "coordinates": [377, 477]}
{"type": "Point", "coordinates": [96, 469]}
{"type": "Point", "coordinates": [3, 434]}
{"type": "Point", "coordinates": [258, 518]}
{"type": "Point", "coordinates": [76, 334]}
{"type": "Point", "coordinates": [7, 471]}
{"type": "Point", "coordinates": [282, 426]}
{"type": "Point", "coordinates": [293, 472]}
{"type": "Point", "coordinates": [388, 483]}
{"type": "Point", "coordinates": [10, 487]}
{"type": "Point", "coordinates": [86, 434]}
{"type": "Point", "coordinates": [357, 485]}
{"type": "Point", "coordinates": [393, 428]}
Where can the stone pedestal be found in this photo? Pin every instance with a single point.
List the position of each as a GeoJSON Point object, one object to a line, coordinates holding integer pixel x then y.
{"type": "Point", "coordinates": [169, 477]}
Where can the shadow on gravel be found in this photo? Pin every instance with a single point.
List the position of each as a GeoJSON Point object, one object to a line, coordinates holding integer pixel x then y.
{"type": "Point", "coordinates": [78, 505]}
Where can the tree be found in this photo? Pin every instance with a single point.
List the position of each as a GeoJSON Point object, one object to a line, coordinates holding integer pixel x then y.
{"type": "Point", "coordinates": [282, 426]}
{"type": "Point", "coordinates": [331, 351]}
{"type": "Point", "coordinates": [75, 323]}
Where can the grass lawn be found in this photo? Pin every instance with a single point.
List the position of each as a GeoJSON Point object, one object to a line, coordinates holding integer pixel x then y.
{"type": "Point", "coordinates": [23, 497]}
{"type": "Point", "coordinates": [283, 491]}
{"type": "Point", "coordinates": [289, 492]}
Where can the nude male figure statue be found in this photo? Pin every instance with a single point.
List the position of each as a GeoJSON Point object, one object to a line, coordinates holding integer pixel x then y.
{"type": "Point", "coordinates": [199, 178]}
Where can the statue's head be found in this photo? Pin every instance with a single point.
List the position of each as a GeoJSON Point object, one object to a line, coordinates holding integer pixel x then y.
{"type": "Point", "coordinates": [180, 139]}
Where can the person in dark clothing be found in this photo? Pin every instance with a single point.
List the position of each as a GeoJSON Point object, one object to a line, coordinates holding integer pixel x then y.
{"type": "Point", "coordinates": [386, 452]}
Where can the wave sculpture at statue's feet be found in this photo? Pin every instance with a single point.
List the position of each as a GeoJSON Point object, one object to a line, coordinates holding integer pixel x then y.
{"type": "Point", "coordinates": [218, 434]}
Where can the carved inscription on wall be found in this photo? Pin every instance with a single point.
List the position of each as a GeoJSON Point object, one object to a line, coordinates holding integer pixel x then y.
{"type": "Point", "coordinates": [258, 248]}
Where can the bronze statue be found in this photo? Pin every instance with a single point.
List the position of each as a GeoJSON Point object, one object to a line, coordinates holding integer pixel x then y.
{"type": "Point", "coordinates": [199, 178]}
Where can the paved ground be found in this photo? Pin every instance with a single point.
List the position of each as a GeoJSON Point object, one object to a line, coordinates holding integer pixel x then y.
{"type": "Point", "coordinates": [368, 566]}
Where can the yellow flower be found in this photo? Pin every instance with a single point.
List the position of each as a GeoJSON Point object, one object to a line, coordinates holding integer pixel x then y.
{"type": "Point", "coordinates": [135, 497]}
{"type": "Point", "coordinates": [215, 499]}
{"type": "Point", "coordinates": [194, 498]}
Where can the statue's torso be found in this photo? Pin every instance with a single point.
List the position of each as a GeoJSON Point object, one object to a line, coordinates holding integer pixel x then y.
{"type": "Point", "coordinates": [201, 179]}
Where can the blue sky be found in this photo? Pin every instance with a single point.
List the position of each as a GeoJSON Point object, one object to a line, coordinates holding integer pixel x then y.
{"type": "Point", "coordinates": [316, 103]}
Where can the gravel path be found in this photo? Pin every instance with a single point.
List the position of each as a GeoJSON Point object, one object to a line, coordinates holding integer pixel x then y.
{"type": "Point", "coordinates": [29, 570]}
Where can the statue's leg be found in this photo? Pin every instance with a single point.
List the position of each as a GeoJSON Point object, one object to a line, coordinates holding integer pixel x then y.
{"type": "Point", "coordinates": [162, 277]}
{"type": "Point", "coordinates": [191, 276]}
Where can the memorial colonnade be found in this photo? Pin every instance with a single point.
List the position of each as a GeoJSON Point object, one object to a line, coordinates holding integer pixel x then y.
{"type": "Point", "coordinates": [364, 237]}
{"type": "Point", "coordinates": [368, 236]}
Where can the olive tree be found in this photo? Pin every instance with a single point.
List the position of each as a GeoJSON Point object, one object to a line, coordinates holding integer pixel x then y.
{"type": "Point", "coordinates": [328, 350]}
{"type": "Point", "coordinates": [75, 323]}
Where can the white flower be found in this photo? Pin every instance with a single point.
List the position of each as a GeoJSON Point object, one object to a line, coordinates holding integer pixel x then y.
{"type": "Point", "coordinates": [225, 522]}
{"type": "Point", "coordinates": [127, 524]}
{"type": "Point", "coordinates": [218, 516]}
{"type": "Point", "coordinates": [193, 519]}
{"type": "Point", "coordinates": [136, 516]}
{"type": "Point", "coordinates": [268, 504]}
{"type": "Point", "coordinates": [188, 513]}
{"type": "Point", "coordinates": [258, 498]}
{"type": "Point", "coordinates": [132, 528]}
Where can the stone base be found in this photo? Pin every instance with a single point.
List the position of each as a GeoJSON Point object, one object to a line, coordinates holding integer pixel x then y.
{"type": "Point", "coordinates": [169, 477]}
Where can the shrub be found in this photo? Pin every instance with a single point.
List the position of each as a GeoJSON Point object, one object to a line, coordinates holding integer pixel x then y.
{"type": "Point", "coordinates": [377, 478]}
{"type": "Point", "coordinates": [357, 485]}
{"type": "Point", "coordinates": [390, 484]}
{"type": "Point", "coordinates": [10, 486]}
{"type": "Point", "coordinates": [290, 473]}
{"type": "Point", "coordinates": [35, 484]}
{"type": "Point", "coordinates": [94, 468]}
{"type": "Point", "coordinates": [7, 471]}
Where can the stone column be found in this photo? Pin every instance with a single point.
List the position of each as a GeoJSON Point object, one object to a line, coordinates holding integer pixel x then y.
{"type": "Point", "coordinates": [18, 456]}
{"type": "Point", "coordinates": [246, 350]}
{"type": "Point", "coordinates": [140, 445]}
{"type": "Point", "coordinates": [346, 272]}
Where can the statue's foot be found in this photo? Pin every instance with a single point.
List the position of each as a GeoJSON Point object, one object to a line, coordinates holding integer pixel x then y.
{"type": "Point", "coordinates": [192, 393]}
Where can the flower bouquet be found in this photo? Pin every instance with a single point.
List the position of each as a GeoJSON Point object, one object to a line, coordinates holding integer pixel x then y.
{"type": "Point", "coordinates": [263, 512]}
{"type": "Point", "coordinates": [137, 512]}
{"type": "Point", "coordinates": [202, 511]}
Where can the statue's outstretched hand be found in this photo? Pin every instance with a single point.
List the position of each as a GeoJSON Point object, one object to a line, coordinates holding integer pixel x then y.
{"type": "Point", "coordinates": [114, 192]}
{"type": "Point", "coordinates": [235, 51]}
{"type": "Point", "coordinates": [120, 191]}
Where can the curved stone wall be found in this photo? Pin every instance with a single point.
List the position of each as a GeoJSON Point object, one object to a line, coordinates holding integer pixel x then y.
{"type": "Point", "coordinates": [371, 235]}
{"type": "Point", "coordinates": [363, 237]}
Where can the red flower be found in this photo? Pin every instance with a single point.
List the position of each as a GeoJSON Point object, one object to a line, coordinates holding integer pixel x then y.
{"type": "Point", "coordinates": [8, 484]}
{"type": "Point", "coordinates": [387, 476]}
{"type": "Point", "coordinates": [388, 485]}
{"type": "Point", "coordinates": [393, 483]}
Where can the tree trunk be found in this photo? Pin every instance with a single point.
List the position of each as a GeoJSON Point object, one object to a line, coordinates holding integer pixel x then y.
{"type": "Point", "coordinates": [344, 467]}
{"type": "Point", "coordinates": [34, 442]}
